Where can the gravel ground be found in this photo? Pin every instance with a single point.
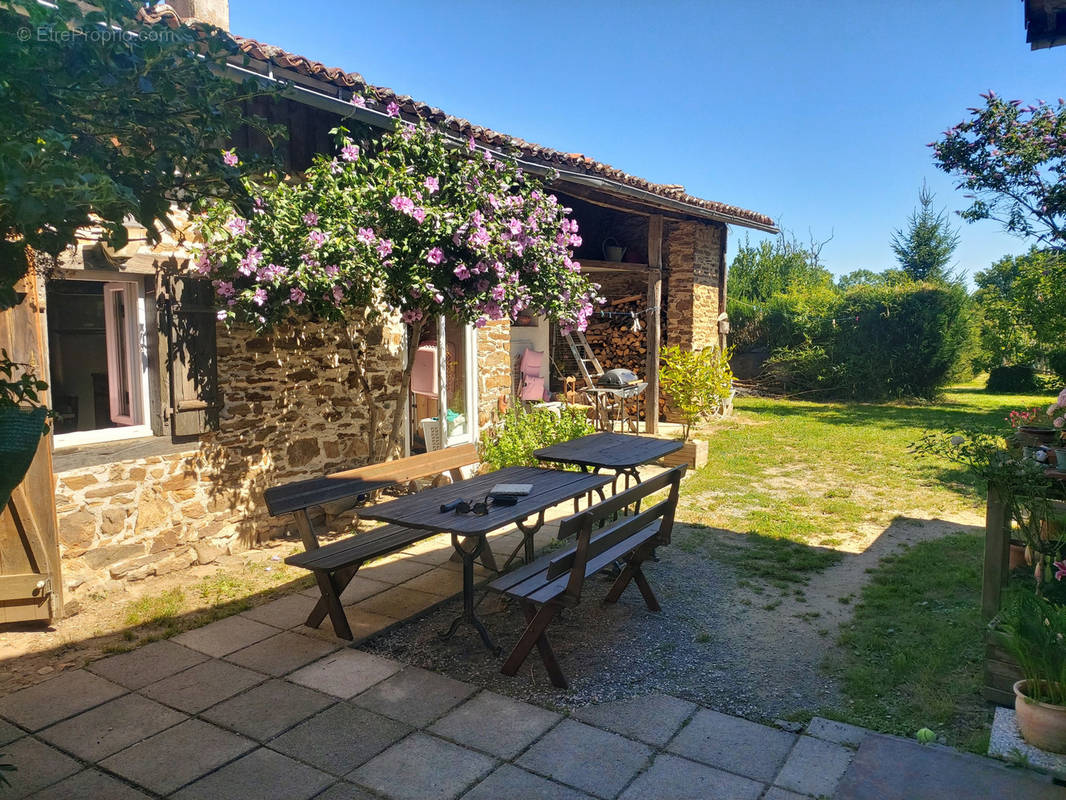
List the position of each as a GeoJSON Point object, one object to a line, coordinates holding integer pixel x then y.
{"type": "Point", "coordinates": [710, 644]}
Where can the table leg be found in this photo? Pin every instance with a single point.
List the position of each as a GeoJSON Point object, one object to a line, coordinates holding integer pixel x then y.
{"type": "Point", "coordinates": [468, 615]}
{"type": "Point", "coordinates": [528, 534]}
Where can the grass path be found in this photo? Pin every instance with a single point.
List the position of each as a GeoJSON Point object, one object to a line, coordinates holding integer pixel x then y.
{"type": "Point", "coordinates": [839, 534]}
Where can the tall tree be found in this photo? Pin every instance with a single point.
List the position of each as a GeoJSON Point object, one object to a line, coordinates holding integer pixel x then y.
{"type": "Point", "coordinates": [104, 117]}
{"type": "Point", "coordinates": [924, 249]}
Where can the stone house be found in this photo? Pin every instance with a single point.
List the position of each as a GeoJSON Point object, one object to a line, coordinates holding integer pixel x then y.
{"type": "Point", "coordinates": [171, 425]}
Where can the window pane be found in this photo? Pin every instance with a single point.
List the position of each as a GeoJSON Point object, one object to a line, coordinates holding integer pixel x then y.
{"type": "Point", "coordinates": [77, 354]}
{"type": "Point", "coordinates": [118, 338]}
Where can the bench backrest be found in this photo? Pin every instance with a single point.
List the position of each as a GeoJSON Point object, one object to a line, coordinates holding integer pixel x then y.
{"type": "Point", "coordinates": [599, 528]}
{"type": "Point", "coordinates": [403, 470]}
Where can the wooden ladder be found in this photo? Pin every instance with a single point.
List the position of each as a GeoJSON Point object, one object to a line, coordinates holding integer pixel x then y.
{"type": "Point", "coordinates": [585, 358]}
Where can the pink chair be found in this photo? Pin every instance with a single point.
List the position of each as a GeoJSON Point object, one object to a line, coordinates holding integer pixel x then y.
{"type": "Point", "coordinates": [531, 367]}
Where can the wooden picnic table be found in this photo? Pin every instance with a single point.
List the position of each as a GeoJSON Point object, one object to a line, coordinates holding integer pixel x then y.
{"type": "Point", "coordinates": [422, 510]}
{"type": "Point", "coordinates": [621, 452]}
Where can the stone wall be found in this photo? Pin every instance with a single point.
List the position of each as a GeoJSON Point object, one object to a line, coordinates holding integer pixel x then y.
{"type": "Point", "coordinates": [692, 260]}
{"type": "Point", "coordinates": [494, 368]}
{"type": "Point", "coordinates": [291, 409]}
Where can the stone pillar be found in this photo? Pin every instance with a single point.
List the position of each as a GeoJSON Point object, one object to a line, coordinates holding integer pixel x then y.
{"type": "Point", "coordinates": [214, 12]}
{"type": "Point", "coordinates": [493, 368]}
{"type": "Point", "coordinates": [692, 257]}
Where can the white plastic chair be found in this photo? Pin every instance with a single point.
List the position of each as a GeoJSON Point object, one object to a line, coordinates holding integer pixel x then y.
{"type": "Point", "coordinates": [431, 433]}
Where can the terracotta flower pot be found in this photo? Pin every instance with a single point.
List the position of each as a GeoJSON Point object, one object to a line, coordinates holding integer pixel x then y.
{"type": "Point", "coordinates": [1034, 436]}
{"type": "Point", "coordinates": [1041, 724]}
{"type": "Point", "coordinates": [1017, 555]}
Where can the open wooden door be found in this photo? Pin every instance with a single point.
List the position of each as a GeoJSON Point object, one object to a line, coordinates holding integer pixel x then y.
{"type": "Point", "coordinates": [31, 587]}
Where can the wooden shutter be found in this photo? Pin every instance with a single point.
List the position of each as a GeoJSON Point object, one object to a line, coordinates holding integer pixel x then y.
{"type": "Point", "coordinates": [189, 315]}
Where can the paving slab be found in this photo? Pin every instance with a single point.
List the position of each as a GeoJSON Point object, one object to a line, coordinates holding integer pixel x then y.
{"type": "Point", "coordinates": [512, 782]}
{"type": "Point", "coordinates": [680, 779]}
{"type": "Point", "coordinates": [360, 588]}
{"type": "Point", "coordinates": [268, 709]}
{"type": "Point", "coordinates": [9, 732]}
{"type": "Point", "coordinates": [259, 775]}
{"type": "Point", "coordinates": [147, 664]}
{"type": "Point", "coordinates": [361, 622]}
{"type": "Point", "coordinates": [38, 766]}
{"type": "Point", "coordinates": [226, 635]}
{"type": "Point", "coordinates": [887, 767]}
{"type": "Point", "coordinates": [595, 761]}
{"type": "Point", "coordinates": [63, 696]}
{"type": "Point", "coordinates": [340, 738]}
{"type": "Point", "coordinates": [345, 673]}
{"type": "Point", "coordinates": [202, 686]}
{"type": "Point", "coordinates": [395, 571]}
{"type": "Point", "coordinates": [104, 730]}
{"type": "Point", "coordinates": [814, 767]}
{"type": "Point", "coordinates": [346, 791]}
{"type": "Point", "coordinates": [496, 724]}
{"type": "Point", "coordinates": [89, 784]}
{"type": "Point", "coordinates": [1006, 742]}
{"type": "Point", "coordinates": [400, 602]}
{"type": "Point", "coordinates": [281, 653]}
{"type": "Point", "coordinates": [733, 744]}
{"type": "Point", "coordinates": [177, 756]}
{"type": "Point", "coordinates": [839, 732]}
{"type": "Point", "coordinates": [415, 696]}
{"type": "Point", "coordinates": [777, 793]}
{"type": "Point", "coordinates": [652, 719]}
{"type": "Point", "coordinates": [285, 612]}
{"type": "Point", "coordinates": [432, 769]}
{"type": "Point", "coordinates": [441, 582]}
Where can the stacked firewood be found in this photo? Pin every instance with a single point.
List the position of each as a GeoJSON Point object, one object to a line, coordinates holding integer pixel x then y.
{"type": "Point", "coordinates": [616, 344]}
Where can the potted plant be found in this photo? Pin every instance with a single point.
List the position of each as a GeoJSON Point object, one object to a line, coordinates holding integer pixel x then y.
{"type": "Point", "coordinates": [697, 383]}
{"type": "Point", "coordinates": [23, 421]}
{"type": "Point", "coordinates": [1034, 632]}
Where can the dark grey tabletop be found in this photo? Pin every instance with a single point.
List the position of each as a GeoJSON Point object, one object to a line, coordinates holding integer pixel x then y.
{"type": "Point", "coordinates": [609, 450]}
{"type": "Point", "coordinates": [422, 510]}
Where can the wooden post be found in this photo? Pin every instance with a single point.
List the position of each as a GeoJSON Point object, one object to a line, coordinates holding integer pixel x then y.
{"type": "Point", "coordinates": [655, 298]}
{"type": "Point", "coordinates": [723, 281]}
{"type": "Point", "coordinates": [997, 552]}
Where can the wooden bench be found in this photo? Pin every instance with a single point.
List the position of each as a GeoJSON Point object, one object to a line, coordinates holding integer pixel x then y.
{"type": "Point", "coordinates": [554, 582]}
{"type": "Point", "coordinates": [334, 565]}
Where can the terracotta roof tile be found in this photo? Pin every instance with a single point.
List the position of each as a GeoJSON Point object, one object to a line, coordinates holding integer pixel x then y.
{"type": "Point", "coordinates": [382, 96]}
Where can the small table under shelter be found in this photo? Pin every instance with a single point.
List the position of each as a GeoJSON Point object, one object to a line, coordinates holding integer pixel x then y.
{"type": "Point", "coordinates": [423, 510]}
{"type": "Point", "coordinates": [621, 452]}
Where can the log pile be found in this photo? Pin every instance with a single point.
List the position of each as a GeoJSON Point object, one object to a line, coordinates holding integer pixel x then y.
{"type": "Point", "coordinates": [617, 345]}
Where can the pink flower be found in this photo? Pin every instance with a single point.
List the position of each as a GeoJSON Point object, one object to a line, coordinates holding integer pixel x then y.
{"type": "Point", "coordinates": [461, 272]}
{"type": "Point", "coordinates": [237, 226]}
{"type": "Point", "coordinates": [203, 265]}
{"type": "Point", "coordinates": [407, 131]}
{"type": "Point", "coordinates": [438, 297]}
{"type": "Point", "coordinates": [221, 315]}
{"type": "Point", "coordinates": [384, 247]}
{"type": "Point", "coordinates": [350, 152]}
{"type": "Point", "coordinates": [229, 158]}
{"type": "Point", "coordinates": [310, 218]}
{"type": "Point", "coordinates": [259, 297]}
{"type": "Point", "coordinates": [358, 101]}
{"type": "Point", "coordinates": [515, 226]}
{"type": "Point", "coordinates": [479, 238]}
{"type": "Point", "coordinates": [405, 205]}
{"type": "Point", "coordinates": [297, 295]}
{"type": "Point", "coordinates": [480, 322]}
{"type": "Point", "coordinates": [419, 214]}
{"type": "Point", "coordinates": [224, 288]}
{"type": "Point", "coordinates": [435, 256]}
{"type": "Point", "coordinates": [470, 144]}
{"type": "Point", "coordinates": [392, 109]}
{"type": "Point", "coordinates": [411, 316]}
{"type": "Point", "coordinates": [316, 238]}
{"type": "Point", "coordinates": [338, 294]}
{"type": "Point", "coordinates": [332, 270]}
{"type": "Point", "coordinates": [366, 235]}
{"type": "Point", "coordinates": [1060, 570]}
{"type": "Point", "coordinates": [498, 292]}
{"type": "Point", "coordinates": [432, 184]}
{"type": "Point", "coordinates": [250, 261]}
{"type": "Point", "coordinates": [1058, 422]}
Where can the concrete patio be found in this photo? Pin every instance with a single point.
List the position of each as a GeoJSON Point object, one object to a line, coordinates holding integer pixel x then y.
{"type": "Point", "coordinates": [251, 707]}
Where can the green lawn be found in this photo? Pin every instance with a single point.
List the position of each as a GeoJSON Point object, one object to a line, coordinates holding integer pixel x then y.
{"type": "Point", "coordinates": [791, 486]}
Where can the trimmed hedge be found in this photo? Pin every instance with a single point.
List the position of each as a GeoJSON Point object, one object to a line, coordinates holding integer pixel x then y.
{"type": "Point", "coordinates": [878, 343]}
{"type": "Point", "coordinates": [1019, 379]}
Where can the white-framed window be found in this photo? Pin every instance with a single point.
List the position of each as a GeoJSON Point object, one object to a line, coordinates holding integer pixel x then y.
{"type": "Point", "coordinates": [444, 377]}
{"type": "Point", "coordinates": [98, 357]}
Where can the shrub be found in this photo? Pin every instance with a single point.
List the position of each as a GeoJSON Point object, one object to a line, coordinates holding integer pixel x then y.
{"type": "Point", "coordinates": [804, 369]}
{"type": "Point", "coordinates": [697, 381]}
{"type": "Point", "coordinates": [514, 438]}
{"type": "Point", "coordinates": [1018, 379]}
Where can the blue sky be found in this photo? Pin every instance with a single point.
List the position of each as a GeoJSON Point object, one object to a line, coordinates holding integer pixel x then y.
{"type": "Point", "coordinates": [815, 112]}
